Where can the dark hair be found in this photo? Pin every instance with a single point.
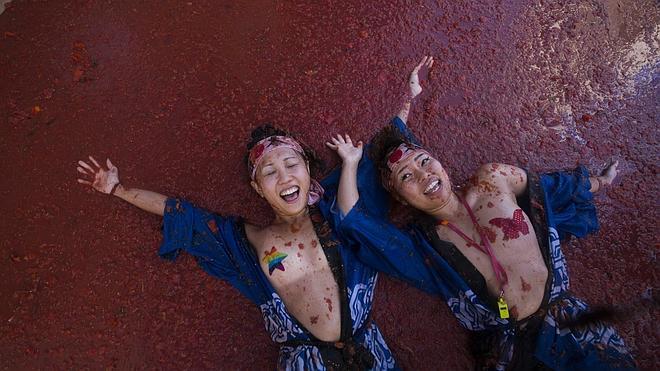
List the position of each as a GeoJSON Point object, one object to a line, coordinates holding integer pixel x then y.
{"type": "Point", "coordinates": [387, 139]}
{"type": "Point", "coordinates": [263, 131]}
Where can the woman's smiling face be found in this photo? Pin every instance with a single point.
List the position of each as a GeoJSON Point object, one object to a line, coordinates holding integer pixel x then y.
{"type": "Point", "coordinates": [421, 181]}
{"type": "Point", "coordinates": [283, 179]}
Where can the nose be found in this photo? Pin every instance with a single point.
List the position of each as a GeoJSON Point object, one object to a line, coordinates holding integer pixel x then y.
{"type": "Point", "coordinates": [420, 174]}
{"type": "Point", "coordinates": [283, 175]}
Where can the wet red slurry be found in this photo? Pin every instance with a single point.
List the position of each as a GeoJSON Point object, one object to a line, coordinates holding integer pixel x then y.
{"type": "Point", "coordinates": [170, 92]}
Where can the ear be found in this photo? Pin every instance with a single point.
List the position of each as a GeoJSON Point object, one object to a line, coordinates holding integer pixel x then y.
{"type": "Point", "coordinates": [257, 188]}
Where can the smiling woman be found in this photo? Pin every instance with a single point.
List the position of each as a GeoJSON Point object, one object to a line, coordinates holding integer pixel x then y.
{"type": "Point", "coordinates": [303, 293]}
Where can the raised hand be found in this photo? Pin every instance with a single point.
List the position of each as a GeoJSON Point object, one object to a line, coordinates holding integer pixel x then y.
{"type": "Point", "coordinates": [99, 178]}
{"type": "Point", "coordinates": [349, 153]}
{"type": "Point", "coordinates": [421, 69]}
{"type": "Point", "coordinates": [610, 173]}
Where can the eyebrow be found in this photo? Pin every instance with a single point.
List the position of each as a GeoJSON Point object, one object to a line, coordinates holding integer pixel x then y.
{"type": "Point", "coordinates": [271, 164]}
{"type": "Point", "coordinates": [415, 159]}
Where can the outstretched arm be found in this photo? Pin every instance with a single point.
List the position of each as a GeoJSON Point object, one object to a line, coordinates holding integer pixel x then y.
{"type": "Point", "coordinates": [350, 155]}
{"type": "Point", "coordinates": [414, 86]}
{"type": "Point", "coordinates": [107, 182]}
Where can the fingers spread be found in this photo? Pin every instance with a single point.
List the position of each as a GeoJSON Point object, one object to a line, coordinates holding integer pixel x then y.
{"type": "Point", "coordinates": [348, 139]}
{"type": "Point", "coordinates": [110, 165]}
{"type": "Point", "coordinates": [94, 161]}
{"type": "Point", "coordinates": [84, 164]}
{"type": "Point", "coordinates": [81, 170]}
{"type": "Point", "coordinates": [82, 181]}
{"type": "Point", "coordinates": [331, 145]}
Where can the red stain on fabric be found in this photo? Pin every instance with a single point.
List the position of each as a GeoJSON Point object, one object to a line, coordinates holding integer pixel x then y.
{"type": "Point", "coordinates": [212, 226]}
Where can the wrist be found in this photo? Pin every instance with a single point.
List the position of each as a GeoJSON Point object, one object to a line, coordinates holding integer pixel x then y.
{"type": "Point", "coordinates": [117, 190]}
{"type": "Point", "coordinates": [350, 165]}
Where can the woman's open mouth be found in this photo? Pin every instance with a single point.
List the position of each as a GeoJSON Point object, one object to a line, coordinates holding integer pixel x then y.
{"type": "Point", "coordinates": [433, 187]}
{"type": "Point", "coordinates": [290, 195]}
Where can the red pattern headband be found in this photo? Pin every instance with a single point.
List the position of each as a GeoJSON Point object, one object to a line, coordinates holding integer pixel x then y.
{"type": "Point", "coordinates": [396, 157]}
{"type": "Point", "coordinates": [266, 145]}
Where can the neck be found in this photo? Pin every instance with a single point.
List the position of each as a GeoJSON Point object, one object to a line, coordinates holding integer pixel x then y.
{"type": "Point", "coordinates": [296, 219]}
{"type": "Point", "coordinates": [451, 210]}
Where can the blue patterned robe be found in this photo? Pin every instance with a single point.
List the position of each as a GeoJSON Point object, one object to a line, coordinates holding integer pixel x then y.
{"type": "Point", "coordinates": [563, 207]}
{"type": "Point", "coordinates": [222, 249]}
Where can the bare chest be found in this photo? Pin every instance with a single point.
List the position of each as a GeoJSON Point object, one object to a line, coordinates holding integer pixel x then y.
{"type": "Point", "coordinates": [514, 245]}
{"type": "Point", "coordinates": [298, 270]}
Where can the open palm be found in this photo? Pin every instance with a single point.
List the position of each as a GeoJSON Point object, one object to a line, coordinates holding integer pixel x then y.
{"type": "Point", "coordinates": [347, 151]}
{"type": "Point", "coordinates": [103, 180]}
{"type": "Point", "coordinates": [421, 69]}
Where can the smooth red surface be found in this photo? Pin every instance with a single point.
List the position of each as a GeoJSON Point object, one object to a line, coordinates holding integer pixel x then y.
{"type": "Point", "coordinates": [170, 90]}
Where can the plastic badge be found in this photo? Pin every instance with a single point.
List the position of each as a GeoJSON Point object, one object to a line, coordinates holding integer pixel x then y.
{"type": "Point", "coordinates": [504, 309]}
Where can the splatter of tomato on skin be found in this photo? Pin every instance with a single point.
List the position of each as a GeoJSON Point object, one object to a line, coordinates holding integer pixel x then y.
{"type": "Point", "coordinates": [314, 319]}
{"type": "Point", "coordinates": [490, 205]}
{"type": "Point", "coordinates": [301, 246]}
{"type": "Point", "coordinates": [328, 302]}
{"type": "Point", "coordinates": [514, 312]}
{"type": "Point", "coordinates": [288, 243]}
{"type": "Point", "coordinates": [314, 243]}
{"type": "Point", "coordinates": [525, 286]}
{"type": "Point", "coordinates": [489, 233]}
{"type": "Point", "coordinates": [485, 186]}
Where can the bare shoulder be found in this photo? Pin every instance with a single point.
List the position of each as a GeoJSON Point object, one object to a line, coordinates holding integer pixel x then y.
{"type": "Point", "coordinates": [504, 176]}
{"type": "Point", "coordinates": [256, 235]}
{"type": "Point", "coordinates": [499, 176]}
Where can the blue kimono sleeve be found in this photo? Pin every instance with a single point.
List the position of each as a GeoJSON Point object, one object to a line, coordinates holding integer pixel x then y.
{"type": "Point", "coordinates": [372, 193]}
{"type": "Point", "coordinates": [382, 246]}
{"type": "Point", "coordinates": [569, 202]}
{"type": "Point", "coordinates": [207, 236]}
{"type": "Point", "coordinates": [405, 130]}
